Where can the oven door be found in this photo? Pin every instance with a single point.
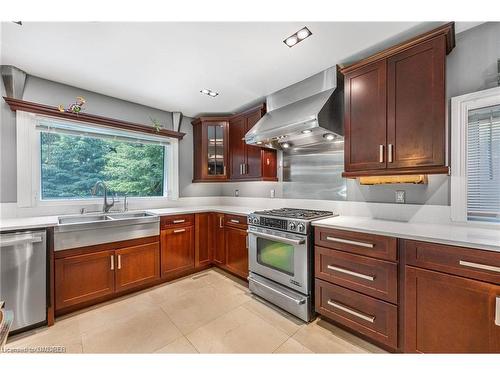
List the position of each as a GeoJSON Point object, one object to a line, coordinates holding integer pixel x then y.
{"type": "Point", "coordinates": [280, 256]}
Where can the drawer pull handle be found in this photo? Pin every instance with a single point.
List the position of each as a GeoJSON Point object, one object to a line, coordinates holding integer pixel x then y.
{"type": "Point", "coordinates": [178, 221]}
{"type": "Point", "coordinates": [235, 221]}
{"type": "Point", "coordinates": [352, 273]}
{"type": "Point", "coordinates": [479, 265]}
{"type": "Point", "coordinates": [112, 262]}
{"type": "Point", "coordinates": [297, 301]}
{"type": "Point", "coordinates": [368, 318]}
{"type": "Point", "coordinates": [389, 153]}
{"type": "Point", "coordinates": [381, 153]}
{"type": "Point", "coordinates": [357, 243]}
{"type": "Point", "coordinates": [221, 225]}
{"type": "Point", "coordinates": [497, 311]}
{"type": "Point", "coordinates": [179, 230]}
{"type": "Point", "coordinates": [119, 262]}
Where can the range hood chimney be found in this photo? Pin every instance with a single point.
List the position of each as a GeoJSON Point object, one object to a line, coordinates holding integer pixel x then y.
{"type": "Point", "coordinates": [13, 80]}
{"type": "Point", "coordinates": [306, 114]}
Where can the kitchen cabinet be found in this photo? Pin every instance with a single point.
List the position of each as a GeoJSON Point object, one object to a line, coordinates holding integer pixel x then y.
{"type": "Point", "coordinates": [221, 154]}
{"type": "Point", "coordinates": [235, 240]}
{"type": "Point", "coordinates": [137, 265]}
{"type": "Point", "coordinates": [204, 239]}
{"type": "Point", "coordinates": [210, 149]}
{"type": "Point", "coordinates": [219, 254]}
{"type": "Point", "coordinates": [177, 251]}
{"type": "Point", "coordinates": [395, 108]}
{"type": "Point", "coordinates": [84, 278]}
{"type": "Point", "coordinates": [452, 299]}
{"type": "Point", "coordinates": [249, 162]}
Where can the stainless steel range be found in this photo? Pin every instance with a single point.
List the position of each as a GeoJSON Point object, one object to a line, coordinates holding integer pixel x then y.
{"type": "Point", "coordinates": [280, 257]}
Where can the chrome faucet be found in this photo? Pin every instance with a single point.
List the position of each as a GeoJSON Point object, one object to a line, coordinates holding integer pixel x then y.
{"type": "Point", "coordinates": [106, 206]}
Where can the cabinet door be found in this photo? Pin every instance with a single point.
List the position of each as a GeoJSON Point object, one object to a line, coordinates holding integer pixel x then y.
{"type": "Point", "coordinates": [177, 250]}
{"type": "Point", "coordinates": [253, 168]}
{"type": "Point", "coordinates": [365, 117]}
{"type": "Point", "coordinates": [84, 278]}
{"type": "Point", "coordinates": [416, 120]}
{"type": "Point", "coordinates": [137, 265]}
{"type": "Point", "coordinates": [203, 239]}
{"type": "Point", "coordinates": [219, 247]}
{"type": "Point", "coordinates": [236, 251]}
{"type": "Point", "coordinates": [237, 147]}
{"type": "Point", "coordinates": [269, 164]}
{"type": "Point", "coordinates": [450, 314]}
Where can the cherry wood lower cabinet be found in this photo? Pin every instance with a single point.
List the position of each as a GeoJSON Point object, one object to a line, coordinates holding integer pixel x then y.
{"type": "Point", "coordinates": [235, 240]}
{"type": "Point", "coordinates": [84, 278]}
{"type": "Point", "coordinates": [177, 251]}
{"type": "Point", "coordinates": [89, 275]}
{"type": "Point", "coordinates": [219, 254]}
{"type": "Point", "coordinates": [204, 241]}
{"type": "Point", "coordinates": [137, 265]}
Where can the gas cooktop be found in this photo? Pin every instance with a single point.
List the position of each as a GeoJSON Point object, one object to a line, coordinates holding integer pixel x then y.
{"type": "Point", "coordinates": [295, 213]}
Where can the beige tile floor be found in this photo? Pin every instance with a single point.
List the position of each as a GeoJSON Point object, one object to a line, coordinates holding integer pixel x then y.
{"type": "Point", "coordinates": [209, 312]}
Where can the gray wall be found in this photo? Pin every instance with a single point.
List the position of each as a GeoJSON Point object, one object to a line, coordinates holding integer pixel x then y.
{"type": "Point", "coordinates": [52, 93]}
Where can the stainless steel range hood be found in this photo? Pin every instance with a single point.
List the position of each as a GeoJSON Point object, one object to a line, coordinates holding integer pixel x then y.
{"type": "Point", "coordinates": [308, 113]}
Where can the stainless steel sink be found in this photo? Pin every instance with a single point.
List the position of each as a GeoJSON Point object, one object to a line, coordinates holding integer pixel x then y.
{"type": "Point", "coordinates": [92, 229]}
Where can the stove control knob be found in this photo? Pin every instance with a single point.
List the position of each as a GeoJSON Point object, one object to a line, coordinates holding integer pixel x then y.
{"type": "Point", "coordinates": [255, 220]}
{"type": "Point", "coordinates": [301, 227]}
{"type": "Point", "coordinates": [292, 226]}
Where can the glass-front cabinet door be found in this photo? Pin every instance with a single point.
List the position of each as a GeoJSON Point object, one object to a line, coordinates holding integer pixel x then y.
{"type": "Point", "coordinates": [215, 150]}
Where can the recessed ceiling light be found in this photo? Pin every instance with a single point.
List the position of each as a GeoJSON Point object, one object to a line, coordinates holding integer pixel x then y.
{"type": "Point", "coordinates": [298, 37]}
{"type": "Point", "coordinates": [209, 92]}
{"type": "Point", "coordinates": [329, 136]}
{"type": "Point", "coordinates": [285, 145]}
{"type": "Point", "coordinates": [307, 131]}
{"type": "Point", "coordinates": [258, 143]}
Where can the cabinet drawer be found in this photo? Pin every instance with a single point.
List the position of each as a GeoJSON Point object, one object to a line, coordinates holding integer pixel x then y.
{"type": "Point", "coordinates": [177, 220]}
{"type": "Point", "coordinates": [235, 221]}
{"type": "Point", "coordinates": [377, 278]}
{"type": "Point", "coordinates": [371, 245]}
{"type": "Point", "coordinates": [369, 316]}
{"type": "Point", "coordinates": [476, 264]}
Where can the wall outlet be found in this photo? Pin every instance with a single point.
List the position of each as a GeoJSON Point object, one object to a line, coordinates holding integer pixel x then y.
{"type": "Point", "coordinates": [236, 193]}
{"type": "Point", "coordinates": [400, 196]}
{"type": "Point", "coordinates": [273, 193]}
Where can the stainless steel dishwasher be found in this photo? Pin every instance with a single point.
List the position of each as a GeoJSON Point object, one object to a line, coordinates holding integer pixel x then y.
{"type": "Point", "coordinates": [23, 276]}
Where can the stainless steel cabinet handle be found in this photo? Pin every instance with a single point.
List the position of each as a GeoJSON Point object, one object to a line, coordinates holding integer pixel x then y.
{"type": "Point", "coordinates": [357, 243]}
{"type": "Point", "coordinates": [179, 230]}
{"type": "Point", "coordinates": [234, 221]}
{"type": "Point", "coordinates": [368, 318]}
{"type": "Point", "coordinates": [381, 153]}
{"type": "Point", "coordinates": [352, 273]}
{"type": "Point", "coordinates": [241, 169]}
{"type": "Point", "coordinates": [297, 301]}
{"type": "Point", "coordinates": [112, 262]}
{"type": "Point", "coordinates": [246, 168]}
{"type": "Point", "coordinates": [389, 153]}
{"type": "Point", "coordinates": [178, 221]}
{"type": "Point", "coordinates": [119, 262]}
{"type": "Point", "coordinates": [278, 238]}
{"type": "Point", "coordinates": [221, 225]}
{"type": "Point", "coordinates": [479, 266]}
{"type": "Point", "coordinates": [497, 311]}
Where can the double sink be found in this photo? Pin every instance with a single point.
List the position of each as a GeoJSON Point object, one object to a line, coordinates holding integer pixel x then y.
{"type": "Point", "coordinates": [93, 229]}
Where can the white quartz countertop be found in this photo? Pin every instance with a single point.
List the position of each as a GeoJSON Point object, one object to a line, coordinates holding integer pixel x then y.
{"type": "Point", "coordinates": [18, 223]}
{"type": "Point", "coordinates": [465, 235]}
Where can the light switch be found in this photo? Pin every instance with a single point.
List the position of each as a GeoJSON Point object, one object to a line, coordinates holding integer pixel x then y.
{"type": "Point", "coordinates": [236, 193]}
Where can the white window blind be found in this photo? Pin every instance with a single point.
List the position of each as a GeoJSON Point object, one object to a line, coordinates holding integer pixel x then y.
{"type": "Point", "coordinates": [483, 164]}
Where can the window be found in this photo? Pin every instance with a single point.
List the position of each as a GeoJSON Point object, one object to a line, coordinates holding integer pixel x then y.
{"type": "Point", "coordinates": [475, 190]}
{"type": "Point", "coordinates": [66, 159]}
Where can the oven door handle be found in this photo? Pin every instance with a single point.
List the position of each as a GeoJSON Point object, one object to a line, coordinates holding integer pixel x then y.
{"type": "Point", "coordinates": [297, 301]}
{"type": "Point", "coordinates": [277, 238]}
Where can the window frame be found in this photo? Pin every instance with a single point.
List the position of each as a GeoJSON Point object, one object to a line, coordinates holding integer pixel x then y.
{"type": "Point", "coordinates": [29, 183]}
{"type": "Point", "coordinates": [460, 107]}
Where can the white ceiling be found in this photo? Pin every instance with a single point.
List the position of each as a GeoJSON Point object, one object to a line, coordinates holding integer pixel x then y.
{"type": "Point", "coordinates": [165, 65]}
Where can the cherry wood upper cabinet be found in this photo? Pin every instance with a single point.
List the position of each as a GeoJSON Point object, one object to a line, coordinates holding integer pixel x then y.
{"type": "Point", "coordinates": [365, 117]}
{"type": "Point", "coordinates": [210, 147]}
{"type": "Point", "coordinates": [395, 108]}
{"type": "Point", "coordinates": [238, 161]}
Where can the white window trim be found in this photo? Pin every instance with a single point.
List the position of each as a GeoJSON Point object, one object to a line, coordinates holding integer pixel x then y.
{"type": "Point", "coordinates": [29, 168]}
{"type": "Point", "coordinates": [460, 107]}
